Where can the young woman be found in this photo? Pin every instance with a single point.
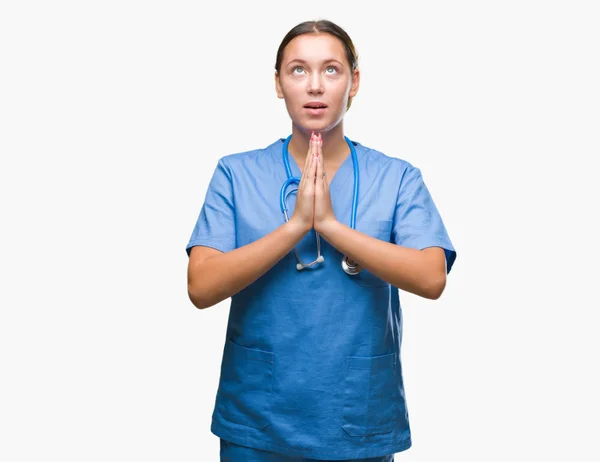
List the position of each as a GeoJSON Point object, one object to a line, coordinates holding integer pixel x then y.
{"type": "Point", "coordinates": [311, 360]}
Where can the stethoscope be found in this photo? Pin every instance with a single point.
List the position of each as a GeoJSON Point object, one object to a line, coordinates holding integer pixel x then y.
{"type": "Point", "coordinates": [348, 265]}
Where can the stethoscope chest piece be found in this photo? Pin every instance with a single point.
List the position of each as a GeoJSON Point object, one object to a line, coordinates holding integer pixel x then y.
{"type": "Point", "coordinates": [350, 266]}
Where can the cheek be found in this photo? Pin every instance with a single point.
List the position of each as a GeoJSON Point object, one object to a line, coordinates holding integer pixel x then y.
{"type": "Point", "coordinates": [294, 90]}
{"type": "Point", "coordinates": [338, 90]}
{"type": "Point", "coordinates": [338, 95]}
{"type": "Point", "coordinates": [293, 96]}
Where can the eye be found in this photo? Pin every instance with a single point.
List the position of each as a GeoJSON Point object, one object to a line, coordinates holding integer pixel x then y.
{"type": "Point", "coordinates": [334, 68]}
{"type": "Point", "coordinates": [296, 67]}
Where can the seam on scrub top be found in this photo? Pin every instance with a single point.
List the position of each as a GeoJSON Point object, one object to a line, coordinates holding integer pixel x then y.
{"type": "Point", "coordinates": [233, 204]}
{"type": "Point", "coordinates": [208, 243]}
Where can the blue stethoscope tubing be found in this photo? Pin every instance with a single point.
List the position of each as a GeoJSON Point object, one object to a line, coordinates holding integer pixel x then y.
{"type": "Point", "coordinates": [349, 266]}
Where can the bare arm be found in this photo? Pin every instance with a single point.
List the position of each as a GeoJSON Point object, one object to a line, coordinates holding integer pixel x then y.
{"type": "Point", "coordinates": [421, 272]}
{"type": "Point", "coordinates": [214, 276]}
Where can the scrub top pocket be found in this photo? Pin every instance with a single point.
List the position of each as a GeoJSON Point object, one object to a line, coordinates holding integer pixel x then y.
{"type": "Point", "coordinates": [245, 386]}
{"type": "Point", "coordinates": [370, 395]}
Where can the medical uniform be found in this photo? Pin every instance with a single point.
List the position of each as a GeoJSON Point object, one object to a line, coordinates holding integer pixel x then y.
{"type": "Point", "coordinates": [311, 359]}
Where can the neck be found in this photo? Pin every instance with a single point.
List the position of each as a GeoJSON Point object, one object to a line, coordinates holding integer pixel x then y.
{"type": "Point", "coordinates": [335, 149]}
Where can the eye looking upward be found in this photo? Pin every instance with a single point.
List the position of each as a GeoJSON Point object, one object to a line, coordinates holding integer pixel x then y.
{"type": "Point", "coordinates": [328, 67]}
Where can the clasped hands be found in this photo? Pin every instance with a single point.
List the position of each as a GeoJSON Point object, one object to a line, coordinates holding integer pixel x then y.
{"type": "Point", "coordinates": [313, 202]}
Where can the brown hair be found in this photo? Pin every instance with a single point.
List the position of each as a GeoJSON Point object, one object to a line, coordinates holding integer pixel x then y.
{"type": "Point", "coordinates": [316, 27]}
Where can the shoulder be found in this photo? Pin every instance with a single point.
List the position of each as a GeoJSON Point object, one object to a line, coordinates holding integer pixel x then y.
{"type": "Point", "coordinates": [396, 167]}
{"type": "Point", "coordinates": [245, 161]}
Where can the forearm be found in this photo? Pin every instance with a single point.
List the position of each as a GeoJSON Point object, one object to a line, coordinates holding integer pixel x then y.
{"type": "Point", "coordinates": [224, 275]}
{"type": "Point", "coordinates": [403, 267]}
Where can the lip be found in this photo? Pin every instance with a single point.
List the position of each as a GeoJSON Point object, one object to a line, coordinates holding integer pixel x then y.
{"type": "Point", "coordinates": [314, 111]}
{"type": "Point", "coordinates": [315, 103]}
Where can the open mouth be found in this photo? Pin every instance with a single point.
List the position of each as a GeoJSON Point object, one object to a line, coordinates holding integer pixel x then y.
{"type": "Point", "coordinates": [315, 108]}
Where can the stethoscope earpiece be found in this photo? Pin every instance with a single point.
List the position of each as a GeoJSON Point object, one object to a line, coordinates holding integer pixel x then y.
{"type": "Point", "coordinates": [301, 266]}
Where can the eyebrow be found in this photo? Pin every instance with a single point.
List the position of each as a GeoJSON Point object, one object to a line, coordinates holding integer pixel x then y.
{"type": "Point", "coordinates": [330, 60]}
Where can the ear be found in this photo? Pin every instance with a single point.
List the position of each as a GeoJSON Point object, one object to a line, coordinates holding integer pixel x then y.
{"type": "Point", "coordinates": [278, 86]}
{"type": "Point", "coordinates": [355, 83]}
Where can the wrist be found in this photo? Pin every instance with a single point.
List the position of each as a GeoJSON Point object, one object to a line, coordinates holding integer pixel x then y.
{"type": "Point", "coordinates": [298, 227]}
{"type": "Point", "coordinates": [327, 228]}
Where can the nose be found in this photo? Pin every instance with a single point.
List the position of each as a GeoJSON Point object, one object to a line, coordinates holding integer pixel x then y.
{"type": "Point", "coordinates": [315, 85]}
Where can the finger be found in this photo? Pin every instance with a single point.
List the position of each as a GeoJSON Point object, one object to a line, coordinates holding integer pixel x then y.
{"type": "Point", "coordinates": [316, 157]}
{"type": "Point", "coordinates": [310, 148]}
{"type": "Point", "coordinates": [320, 147]}
{"type": "Point", "coordinates": [315, 164]}
{"type": "Point", "coordinates": [310, 177]}
{"type": "Point", "coordinates": [317, 140]}
{"type": "Point", "coordinates": [307, 162]}
{"type": "Point", "coordinates": [319, 169]}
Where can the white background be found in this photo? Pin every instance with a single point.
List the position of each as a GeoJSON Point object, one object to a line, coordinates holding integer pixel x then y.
{"type": "Point", "coordinates": [113, 115]}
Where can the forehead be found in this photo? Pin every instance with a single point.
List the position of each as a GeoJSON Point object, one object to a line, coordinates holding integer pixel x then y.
{"type": "Point", "coordinates": [314, 47]}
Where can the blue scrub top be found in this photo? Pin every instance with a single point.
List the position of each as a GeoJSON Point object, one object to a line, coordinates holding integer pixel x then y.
{"type": "Point", "coordinates": [311, 359]}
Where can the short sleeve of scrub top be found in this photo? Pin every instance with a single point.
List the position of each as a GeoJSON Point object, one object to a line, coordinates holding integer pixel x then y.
{"type": "Point", "coordinates": [417, 221]}
{"type": "Point", "coordinates": [215, 226]}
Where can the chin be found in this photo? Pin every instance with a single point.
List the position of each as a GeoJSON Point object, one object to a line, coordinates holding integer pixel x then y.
{"type": "Point", "coordinates": [315, 124]}
{"type": "Point", "coordinates": [308, 125]}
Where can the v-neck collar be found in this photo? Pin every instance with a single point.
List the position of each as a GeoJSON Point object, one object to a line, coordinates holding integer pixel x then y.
{"type": "Point", "coordinates": [341, 174]}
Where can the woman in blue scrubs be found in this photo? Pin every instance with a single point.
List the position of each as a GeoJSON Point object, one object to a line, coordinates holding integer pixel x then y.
{"type": "Point", "coordinates": [311, 364]}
